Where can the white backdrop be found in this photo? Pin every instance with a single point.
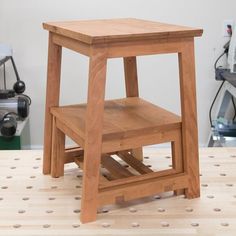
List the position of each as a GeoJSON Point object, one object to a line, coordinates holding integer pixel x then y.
{"type": "Point", "coordinates": [21, 27]}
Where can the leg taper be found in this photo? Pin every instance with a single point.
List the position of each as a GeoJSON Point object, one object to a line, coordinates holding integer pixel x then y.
{"type": "Point", "coordinates": [189, 118]}
{"type": "Point", "coordinates": [131, 85]}
{"type": "Point", "coordinates": [93, 137]}
{"type": "Point", "coordinates": [52, 99]}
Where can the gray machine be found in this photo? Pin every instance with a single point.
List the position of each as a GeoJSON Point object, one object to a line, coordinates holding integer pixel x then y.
{"type": "Point", "coordinates": [223, 127]}
{"type": "Point", "coordinates": [14, 105]}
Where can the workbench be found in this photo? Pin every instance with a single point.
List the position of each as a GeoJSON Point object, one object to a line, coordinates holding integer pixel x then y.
{"type": "Point", "coordinates": [35, 204]}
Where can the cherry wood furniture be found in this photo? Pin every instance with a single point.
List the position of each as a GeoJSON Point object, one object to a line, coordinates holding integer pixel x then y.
{"type": "Point", "coordinates": [121, 127]}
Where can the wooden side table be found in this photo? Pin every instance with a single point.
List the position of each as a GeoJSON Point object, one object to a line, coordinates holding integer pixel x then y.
{"type": "Point", "coordinates": [123, 126]}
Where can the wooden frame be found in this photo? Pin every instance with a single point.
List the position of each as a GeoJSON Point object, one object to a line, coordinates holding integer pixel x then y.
{"type": "Point", "coordinates": [52, 98]}
{"type": "Point", "coordinates": [131, 85]}
{"type": "Point", "coordinates": [99, 133]}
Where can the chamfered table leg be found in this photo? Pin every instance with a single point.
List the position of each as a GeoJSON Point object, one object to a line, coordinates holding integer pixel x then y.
{"type": "Point", "coordinates": [52, 98]}
{"type": "Point", "coordinates": [93, 136]}
{"type": "Point", "coordinates": [131, 85]}
{"type": "Point", "coordinates": [189, 118]}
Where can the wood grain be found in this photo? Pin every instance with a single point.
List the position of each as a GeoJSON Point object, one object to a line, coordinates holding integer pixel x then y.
{"type": "Point", "coordinates": [116, 30]}
{"type": "Point", "coordinates": [131, 77]}
{"type": "Point", "coordinates": [58, 151]}
{"type": "Point", "coordinates": [122, 118]}
{"type": "Point", "coordinates": [100, 127]}
{"type": "Point", "coordinates": [177, 157]}
{"type": "Point", "coordinates": [145, 47]}
{"type": "Point", "coordinates": [115, 168]}
{"type": "Point", "coordinates": [133, 162]}
{"type": "Point", "coordinates": [124, 143]}
{"type": "Point", "coordinates": [131, 86]}
{"type": "Point", "coordinates": [136, 179]}
{"type": "Point", "coordinates": [72, 44]}
{"type": "Point", "coordinates": [189, 119]}
{"type": "Point", "coordinates": [71, 153]}
{"type": "Point", "coordinates": [93, 135]}
{"type": "Point", "coordinates": [143, 188]}
{"type": "Point", "coordinates": [52, 98]}
{"type": "Point", "coordinates": [50, 204]}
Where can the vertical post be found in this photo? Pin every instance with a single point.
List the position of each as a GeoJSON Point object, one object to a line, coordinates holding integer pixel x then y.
{"type": "Point", "coordinates": [58, 151]}
{"type": "Point", "coordinates": [189, 117]}
{"type": "Point", "coordinates": [93, 135]}
{"type": "Point", "coordinates": [52, 98]}
{"type": "Point", "coordinates": [131, 85]}
{"type": "Point", "coordinates": [177, 157]}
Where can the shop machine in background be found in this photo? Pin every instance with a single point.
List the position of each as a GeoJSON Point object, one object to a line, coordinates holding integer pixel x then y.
{"type": "Point", "coordinates": [14, 104]}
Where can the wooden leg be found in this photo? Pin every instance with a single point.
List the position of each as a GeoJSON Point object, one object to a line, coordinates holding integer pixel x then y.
{"type": "Point", "coordinates": [177, 157]}
{"type": "Point", "coordinates": [131, 84]}
{"type": "Point", "coordinates": [93, 137]}
{"type": "Point", "coordinates": [52, 98]}
{"type": "Point", "coordinates": [58, 151]}
{"type": "Point", "coordinates": [189, 118]}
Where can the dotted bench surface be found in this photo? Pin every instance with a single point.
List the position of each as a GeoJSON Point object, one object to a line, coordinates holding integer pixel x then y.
{"type": "Point", "coordinates": [34, 204]}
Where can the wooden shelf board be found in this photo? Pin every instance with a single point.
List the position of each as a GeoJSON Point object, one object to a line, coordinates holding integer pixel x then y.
{"type": "Point", "coordinates": [122, 118]}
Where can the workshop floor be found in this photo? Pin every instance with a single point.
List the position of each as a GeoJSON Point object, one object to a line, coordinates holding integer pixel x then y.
{"type": "Point", "coordinates": [34, 204]}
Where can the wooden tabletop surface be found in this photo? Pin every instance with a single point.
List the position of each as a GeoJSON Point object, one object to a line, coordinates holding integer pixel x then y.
{"type": "Point", "coordinates": [118, 30]}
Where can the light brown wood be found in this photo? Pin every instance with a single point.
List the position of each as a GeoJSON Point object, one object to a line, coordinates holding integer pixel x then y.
{"type": "Point", "coordinates": [146, 47]}
{"type": "Point", "coordinates": [131, 86]}
{"type": "Point", "coordinates": [138, 153]}
{"type": "Point", "coordinates": [102, 127]}
{"type": "Point", "coordinates": [58, 151]}
{"type": "Point", "coordinates": [122, 118]}
{"type": "Point", "coordinates": [189, 119]}
{"type": "Point", "coordinates": [130, 122]}
{"type": "Point", "coordinates": [52, 98]}
{"type": "Point", "coordinates": [93, 135]}
{"type": "Point", "coordinates": [117, 30]}
{"type": "Point", "coordinates": [143, 188]}
{"type": "Point", "coordinates": [177, 157]}
{"type": "Point", "coordinates": [133, 162]}
{"type": "Point", "coordinates": [49, 206]}
{"type": "Point", "coordinates": [72, 44]}
{"type": "Point", "coordinates": [115, 168]}
{"type": "Point", "coordinates": [127, 49]}
{"type": "Point", "coordinates": [145, 139]}
{"type": "Point", "coordinates": [79, 160]}
{"type": "Point", "coordinates": [131, 77]}
{"type": "Point", "coordinates": [70, 132]}
{"type": "Point", "coordinates": [103, 179]}
{"type": "Point", "coordinates": [137, 179]}
{"type": "Point", "coordinates": [72, 152]}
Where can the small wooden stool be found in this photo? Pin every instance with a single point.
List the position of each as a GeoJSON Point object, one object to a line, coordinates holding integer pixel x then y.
{"type": "Point", "coordinates": [121, 127]}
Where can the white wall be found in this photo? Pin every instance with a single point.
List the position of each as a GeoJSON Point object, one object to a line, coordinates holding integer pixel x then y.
{"type": "Point", "coordinates": [21, 27]}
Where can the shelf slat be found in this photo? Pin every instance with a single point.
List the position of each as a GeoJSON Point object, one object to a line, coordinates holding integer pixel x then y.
{"type": "Point", "coordinates": [133, 162]}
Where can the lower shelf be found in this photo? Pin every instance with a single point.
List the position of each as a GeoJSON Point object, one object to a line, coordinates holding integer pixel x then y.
{"type": "Point", "coordinates": [119, 182]}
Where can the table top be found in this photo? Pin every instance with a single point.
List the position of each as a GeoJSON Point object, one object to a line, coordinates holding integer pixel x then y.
{"type": "Point", "coordinates": [119, 30]}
